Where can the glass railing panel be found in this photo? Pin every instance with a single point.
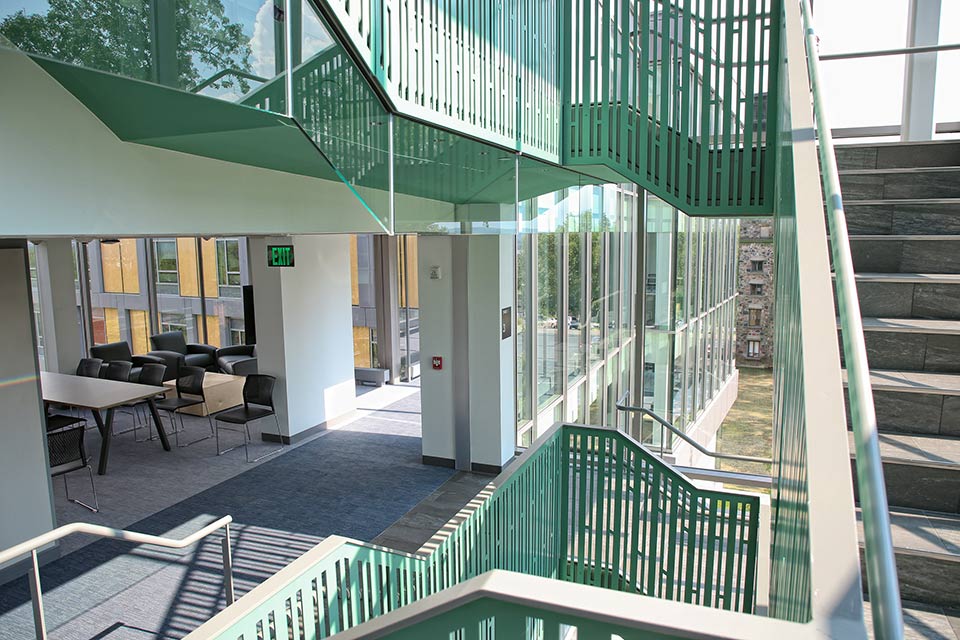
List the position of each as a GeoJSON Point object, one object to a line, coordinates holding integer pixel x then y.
{"type": "Point", "coordinates": [335, 105]}
{"type": "Point", "coordinates": [218, 48]}
{"type": "Point", "coordinates": [448, 183]}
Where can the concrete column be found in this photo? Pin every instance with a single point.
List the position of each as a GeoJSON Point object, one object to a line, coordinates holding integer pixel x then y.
{"type": "Point", "coordinates": [62, 334]}
{"type": "Point", "coordinates": [468, 406]}
{"type": "Point", "coordinates": [26, 499]}
{"type": "Point", "coordinates": [386, 287]}
{"type": "Point", "coordinates": [304, 331]}
{"type": "Point", "coordinates": [920, 71]}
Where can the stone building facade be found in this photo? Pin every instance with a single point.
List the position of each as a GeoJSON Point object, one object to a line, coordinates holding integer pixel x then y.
{"type": "Point", "coordinates": [755, 302]}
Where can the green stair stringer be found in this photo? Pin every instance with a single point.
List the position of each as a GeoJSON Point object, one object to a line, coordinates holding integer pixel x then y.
{"type": "Point", "coordinates": [586, 505]}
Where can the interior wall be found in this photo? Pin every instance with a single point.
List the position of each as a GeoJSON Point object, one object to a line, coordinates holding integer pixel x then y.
{"type": "Point", "coordinates": [305, 329]}
{"type": "Point", "coordinates": [492, 282]}
{"type": "Point", "coordinates": [473, 398]}
{"type": "Point", "coordinates": [26, 499]}
{"type": "Point", "coordinates": [62, 336]}
{"type": "Point", "coordinates": [436, 339]}
{"type": "Point", "coordinates": [71, 176]}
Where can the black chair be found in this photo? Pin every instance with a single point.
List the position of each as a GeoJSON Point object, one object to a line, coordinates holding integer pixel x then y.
{"type": "Point", "coordinates": [257, 403]}
{"type": "Point", "coordinates": [115, 351]}
{"type": "Point", "coordinates": [58, 421]}
{"type": "Point", "coordinates": [189, 383]}
{"type": "Point", "coordinates": [238, 359]}
{"type": "Point", "coordinates": [89, 367]}
{"type": "Point", "coordinates": [66, 454]}
{"type": "Point", "coordinates": [172, 347]}
{"type": "Point", "coordinates": [118, 370]}
{"type": "Point", "coordinates": [153, 375]}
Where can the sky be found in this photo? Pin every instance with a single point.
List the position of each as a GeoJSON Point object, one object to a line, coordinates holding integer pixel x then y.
{"type": "Point", "coordinates": [870, 91]}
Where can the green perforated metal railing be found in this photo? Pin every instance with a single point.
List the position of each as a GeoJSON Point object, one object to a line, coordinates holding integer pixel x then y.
{"type": "Point", "coordinates": [670, 95]}
{"type": "Point", "coordinates": [586, 505]}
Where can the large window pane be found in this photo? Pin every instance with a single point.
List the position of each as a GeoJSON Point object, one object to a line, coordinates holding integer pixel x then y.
{"type": "Point", "coordinates": [224, 274]}
{"type": "Point", "coordinates": [177, 272]}
{"type": "Point", "coordinates": [524, 330]}
{"type": "Point", "coordinates": [611, 215]}
{"type": "Point", "coordinates": [549, 344]}
{"type": "Point", "coordinates": [576, 304]}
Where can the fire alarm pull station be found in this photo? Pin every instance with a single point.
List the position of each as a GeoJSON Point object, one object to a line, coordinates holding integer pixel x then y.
{"type": "Point", "coordinates": [437, 362]}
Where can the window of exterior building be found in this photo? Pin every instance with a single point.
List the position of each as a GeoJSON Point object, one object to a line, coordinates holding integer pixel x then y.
{"type": "Point", "coordinates": [165, 265]}
{"type": "Point", "coordinates": [756, 265]}
{"type": "Point", "coordinates": [173, 322]}
{"type": "Point", "coordinates": [756, 289]}
{"type": "Point", "coordinates": [753, 348]}
{"type": "Point", "coordinates": [228, 267]}
{"type": "Point", "coordinates": [119, 266]}
{"type": "Point", "coordinates": [755, 317]}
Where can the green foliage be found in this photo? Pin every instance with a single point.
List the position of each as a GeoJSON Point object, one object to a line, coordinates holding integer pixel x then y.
{"type": "Point", "coordinates": [117, 37]}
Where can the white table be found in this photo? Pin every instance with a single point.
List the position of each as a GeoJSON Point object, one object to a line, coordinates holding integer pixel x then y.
{"type": "Point", "coordinates": [98, 395]}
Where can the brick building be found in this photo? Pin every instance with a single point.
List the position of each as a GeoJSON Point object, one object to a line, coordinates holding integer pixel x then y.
{"type": "Point", "coordinates": [755, 302]}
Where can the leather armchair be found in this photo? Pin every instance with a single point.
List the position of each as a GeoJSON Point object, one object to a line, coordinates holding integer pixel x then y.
{"type": "Point", "coordinates": [120, 351]}
{"type": "Point", "coordinates": [238, 360]}
{"type": "Point", "coordinates": [175, 352]}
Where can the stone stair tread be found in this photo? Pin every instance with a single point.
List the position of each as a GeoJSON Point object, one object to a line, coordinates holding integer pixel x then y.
{"type": "Point", "coordinates": [922, 531]}
{"type": "Point", "coordinates": [887, 170]}
{"type": "Point", "coordinates": [922, 621]}
{"type": "Point", "coordinates": [908, 278]}
{"type": "Point", "coordinates": [940, 451]}
{"type": "Point", "coordinates": [903, 237]}
{"type": "Point", "coordinates": [901, 201]}
{"type": "Point", "coordinates": [910, 325]}
{"type": "Point", "coordinates": [913, 382]}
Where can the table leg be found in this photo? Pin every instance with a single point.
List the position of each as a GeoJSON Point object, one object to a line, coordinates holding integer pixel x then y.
{"type": "Point", "coordinates": [159, 424]}
{"type": "Point", "coordinates": [106, 435]}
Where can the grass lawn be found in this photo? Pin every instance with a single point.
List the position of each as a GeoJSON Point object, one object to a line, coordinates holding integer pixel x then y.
{"type": "Point", "coordinates": [748, 428]}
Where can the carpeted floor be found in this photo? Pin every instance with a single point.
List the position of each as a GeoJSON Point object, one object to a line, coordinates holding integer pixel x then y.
{"type": "Point", "coordinates": [355, 481]}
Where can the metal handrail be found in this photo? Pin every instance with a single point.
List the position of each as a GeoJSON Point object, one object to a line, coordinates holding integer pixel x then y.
{"type": "Point", "coordinates": [222, 73]}
{"type": "Point", "coordinates": [696, 445]}
{"type": "Point", "coordinates": [902, 51]}
{"type": "Point", "coordinates": [881, 567]}
{"type": "Point", "coordinates": [29, 547]}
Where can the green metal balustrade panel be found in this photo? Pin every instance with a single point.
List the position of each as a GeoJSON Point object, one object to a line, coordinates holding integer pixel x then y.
{"type": "Point", "coordinates": [670, 95]}
{"type": "Point", "coordinates": [490, 70]}
{"type": "Point", "coordinates": [586, 505]}
{"type": "Point", "coordinates": [673, 95]}
{"type": "Point", "coordinates": [494, 619]}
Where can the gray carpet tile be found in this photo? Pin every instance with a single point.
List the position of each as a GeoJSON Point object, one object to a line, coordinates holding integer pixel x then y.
{"type": "Point", "coordinates": [354, 481]}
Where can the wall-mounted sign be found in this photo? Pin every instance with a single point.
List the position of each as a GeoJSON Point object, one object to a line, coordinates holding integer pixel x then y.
{"type": "Point", "coordinates": [506, 323]}
{"type": "Point", "coordinates": [436, 362]}
{"type": "Point", "coordinates": [280, 255]}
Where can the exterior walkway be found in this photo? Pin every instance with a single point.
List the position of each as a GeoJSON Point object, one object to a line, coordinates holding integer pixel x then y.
{"type": "Point", "coordinates": [354, 480]}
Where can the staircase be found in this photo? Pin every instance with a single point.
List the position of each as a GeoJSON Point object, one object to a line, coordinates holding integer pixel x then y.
{"type": "Point", "coordinates": [902, 205]}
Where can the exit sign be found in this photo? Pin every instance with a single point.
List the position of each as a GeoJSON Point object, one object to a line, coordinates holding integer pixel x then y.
{"type": "Point", "coordinates": [280, 255]}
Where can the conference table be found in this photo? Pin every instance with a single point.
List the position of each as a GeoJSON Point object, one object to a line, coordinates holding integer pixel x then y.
{"type": "Point", "coordinates": [100, 395]}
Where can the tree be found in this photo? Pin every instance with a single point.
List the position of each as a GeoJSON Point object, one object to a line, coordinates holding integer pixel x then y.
{"type": "Point", "coordinates": [116, 36]}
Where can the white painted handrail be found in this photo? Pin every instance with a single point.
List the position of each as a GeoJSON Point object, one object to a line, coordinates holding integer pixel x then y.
{"type": "Point", "coordinates": [29, 548]}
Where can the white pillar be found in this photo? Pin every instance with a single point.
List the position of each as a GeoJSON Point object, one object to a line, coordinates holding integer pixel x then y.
{"type": "Point", "coordinates": [304, 331]}
{"type": "Point", "coordinates": [26, 499]}
{"type": "Point", "coordinates": [468, 406]}
{"type": "Point", "coordinates": [62, 335]}
{"type": "Point", "coordinates": [920, 71]}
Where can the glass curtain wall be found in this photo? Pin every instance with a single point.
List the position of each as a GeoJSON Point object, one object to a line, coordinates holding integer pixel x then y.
{"type": "Point", "coordinates": [574, 306]}
{"type": "Point", "coordinates": [690, 297]}
{"type": "Point", "coordinates": [363, 299]}
{"type": "Point", "coordinates": [409, 307]}
{"type": "Point", "coordinates": [142, 286]}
